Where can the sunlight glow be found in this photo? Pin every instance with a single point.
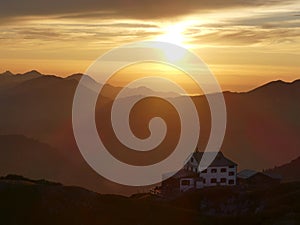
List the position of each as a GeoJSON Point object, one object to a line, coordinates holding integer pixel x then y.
{"type": "Point", "coordinates": [172, 56]}
{"type": "Point", "coordinates": [174, 34]}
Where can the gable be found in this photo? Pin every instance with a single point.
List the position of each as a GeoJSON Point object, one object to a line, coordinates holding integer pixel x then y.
{"type": "Point", "coordinates": [219, 160]}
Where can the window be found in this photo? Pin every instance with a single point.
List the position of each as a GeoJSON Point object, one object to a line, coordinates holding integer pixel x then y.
{"type": "Point", "coordinates": [213, 180]}
{"type": "Point", "coordinates": [223, 180]}
{"type": "Point", "coordinates": [204, 171]}
{"type": "Point", "coordinates": [213, 170]}
{"type": "Point", "coordinates": [192, 159]}
{"type": "Point", "coordinates": [204, 181]}
{"type": "Point", "coordinates": [185, 182]}
{"type": "Point", "coordinates": [232, 166]}
{"type": "Point", "coordinates": [223, 170]}
{"type": "Point", "coordinates": [231, 181]}
{"type": "Point", "coordinates": [231, 173]}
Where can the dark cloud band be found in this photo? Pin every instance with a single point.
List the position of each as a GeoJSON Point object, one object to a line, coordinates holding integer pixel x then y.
{"type": "Point", "coordinates": [138, 9]}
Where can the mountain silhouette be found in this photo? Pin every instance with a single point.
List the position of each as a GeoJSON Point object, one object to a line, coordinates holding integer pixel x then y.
{"type": "Point", "coordinates": [8, 79]}
{"type": "Point", "coordinates": [262, 126]}
{"type": "Point", "coordinates": [21, 155]}
{"type": "Point", "coordinates": [289, 171]}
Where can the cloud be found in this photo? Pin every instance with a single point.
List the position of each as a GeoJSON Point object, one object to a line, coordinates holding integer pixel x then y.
{"type": "Point", "coordinates": [74, 33]}
{"type": "Point", "coordinates": [274, 19]}
{"type": "Point", "coordinates": [252, 28]}
{"type": "Point", "coordinates": [137, 9]}
{"type": "Point", "coordinates": [247, 37]}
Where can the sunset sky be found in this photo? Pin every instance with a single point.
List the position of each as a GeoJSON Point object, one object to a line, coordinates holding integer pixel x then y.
{"type": "Point", "coordinates": [245, 43]}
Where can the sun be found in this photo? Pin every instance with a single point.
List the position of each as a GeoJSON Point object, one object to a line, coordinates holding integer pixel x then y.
{"type": "Point", "coordinates": [174, 34]}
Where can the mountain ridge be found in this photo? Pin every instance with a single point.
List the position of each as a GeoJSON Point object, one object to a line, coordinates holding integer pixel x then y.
{"type": "Point", "coordinates": [289, 171]}
{"type": "Point", "coordinates": [77, 76]}
{"type": "Point", "coordinates": [262, 129]}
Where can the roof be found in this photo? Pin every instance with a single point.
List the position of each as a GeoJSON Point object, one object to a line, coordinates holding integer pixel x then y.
{"type": "Point", "coordinates": [273, 175]}
{"type": "Point", "coordinates": [219, 160]}
{"type": "Point", "coordinates": [245, 174]}
{"type": "Point", "coordinates": [180, 174]}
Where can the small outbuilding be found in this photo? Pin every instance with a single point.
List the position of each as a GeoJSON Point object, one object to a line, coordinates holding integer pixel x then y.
{"type": "Point", "coordinates": [255, 178]}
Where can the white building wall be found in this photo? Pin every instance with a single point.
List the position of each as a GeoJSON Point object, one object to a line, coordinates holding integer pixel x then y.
{"type": "Point", "coordinates": [229, 174]}
{"type": "Point", "coordinates": [192, 165]}
{"type": "Point", "coordinates": [199, 185]}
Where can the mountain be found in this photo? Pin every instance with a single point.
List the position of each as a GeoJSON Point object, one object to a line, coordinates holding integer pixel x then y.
{"type": "Point", "coordinates": [32, 158]}
{"type": "Point", "coordinates": [35, 202]}
{"type": "Point", "coordinates": [262, 127]}
{"type": "Point", "coordinates": [289, 171]}
{"type": "Point", "coordinates": [8, 79]}
{"type": "Point", "coordinates": [127, 92]}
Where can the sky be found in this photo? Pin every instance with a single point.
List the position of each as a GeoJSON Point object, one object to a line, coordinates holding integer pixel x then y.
{"type": "Point", "coordinates": [244, 43]}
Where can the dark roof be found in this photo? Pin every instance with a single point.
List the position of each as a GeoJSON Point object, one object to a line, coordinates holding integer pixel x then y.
{"type": "Point", "coordinates": [183, 173]}
{"type": "Point", "coordinates": [246, 174]}
{"type": "Point", "coordinates": [273, 175]}
{"type": "Point", "coordinates": [220, 159]}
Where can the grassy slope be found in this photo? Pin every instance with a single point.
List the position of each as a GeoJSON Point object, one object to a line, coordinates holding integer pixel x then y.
{"type": "Point", "coordinates": [30, 203]}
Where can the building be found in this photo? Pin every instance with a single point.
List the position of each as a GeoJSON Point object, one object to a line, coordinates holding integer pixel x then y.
{"type": "Point", "coordinates": [221, 172]}
{"type": "Point", "coordinates": [252, 178]}
{"type": "Point", "coordinates": [181, 181]}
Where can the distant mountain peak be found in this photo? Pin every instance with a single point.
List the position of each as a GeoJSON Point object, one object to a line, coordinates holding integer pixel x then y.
{"type": "Point", "coordinates": [76, 76]}
{"type": "Point", "coordinates": [296, 81]}
{"type": "Point", "coordinates": [7, 73]}
{"type": "Point", "coordinates": [33, 73]}
{"type": "Point", "coordinates": [275, 86]}
{"type": "Point", "coordinates": [273, 83]}
{"type": "Point", "coordinates": [19, 178]}
{"type": "Point", "coordinates": [277, 82]}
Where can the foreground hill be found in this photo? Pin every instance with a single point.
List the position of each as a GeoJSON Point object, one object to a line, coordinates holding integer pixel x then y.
{"type": "Point", "coordinates": [263, 126]}
{"type": "Point", "coordinates": [25, 201]}
{"type": "Point", "coordinates": [35, 202]}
